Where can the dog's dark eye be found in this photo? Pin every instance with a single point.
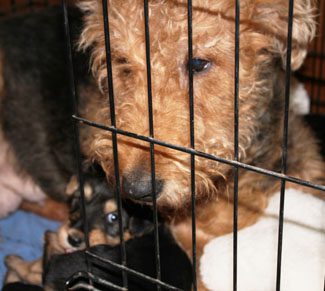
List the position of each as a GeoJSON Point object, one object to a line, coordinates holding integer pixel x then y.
{"type": "Point", "coordinates": [199, 65]}
{"type": "Point", "coordinates": [111, 217]}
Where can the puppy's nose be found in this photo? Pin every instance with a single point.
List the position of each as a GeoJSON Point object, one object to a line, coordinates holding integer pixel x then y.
{"type": "Point", "coordinates": [75, 239]}
{"type": "Point", "coordinates": [137, 185]}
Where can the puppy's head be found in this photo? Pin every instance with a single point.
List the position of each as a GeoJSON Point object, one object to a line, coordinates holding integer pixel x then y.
{"type": "Point", "coordinates": [102, 217]}
{"type": "Point", "coordinates": [263, 33]}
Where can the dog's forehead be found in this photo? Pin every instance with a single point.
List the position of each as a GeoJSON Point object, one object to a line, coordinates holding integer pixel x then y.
{"type": "Point", "coordinates": [168, 26]}
{"type": "Point", "coordinates": [177, 9]}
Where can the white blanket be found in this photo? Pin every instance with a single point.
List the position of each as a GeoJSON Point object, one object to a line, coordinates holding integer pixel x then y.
{"type": "Point", "coordinates": [303, 253]}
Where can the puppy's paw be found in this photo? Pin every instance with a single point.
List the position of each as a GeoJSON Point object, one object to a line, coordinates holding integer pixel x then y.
{"type": "Point", "coordinates": [23, 271]}
{"type": "Point", "coordinates": [11, 277]}
{"type": "Point", "coordinates": [13, 261]}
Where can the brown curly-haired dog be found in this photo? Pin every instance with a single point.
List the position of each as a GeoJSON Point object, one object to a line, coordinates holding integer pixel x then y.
{"type": "Point", "coordinates": [262, 56]}
{"type": "Point", "coordinates": [263, 30]}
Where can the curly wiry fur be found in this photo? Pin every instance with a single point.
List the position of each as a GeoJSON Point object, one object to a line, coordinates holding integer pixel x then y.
{"type": "Point", "coordinates": [263, 31]}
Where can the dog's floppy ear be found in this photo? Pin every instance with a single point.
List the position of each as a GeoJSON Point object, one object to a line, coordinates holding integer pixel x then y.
{"type": "Point", "coordinates": [270, 17]}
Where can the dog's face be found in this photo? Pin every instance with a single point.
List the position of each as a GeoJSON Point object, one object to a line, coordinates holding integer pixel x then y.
{"type": "Point", "coordinates": [102, 218]}
{"type": "Point", "coordinates": [263, 33]}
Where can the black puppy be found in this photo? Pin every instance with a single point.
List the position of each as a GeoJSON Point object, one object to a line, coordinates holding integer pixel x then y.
{"type": "Point", "coordinates": [175, 266]}
{"type": "Point", "coordinates": [102, 222]}
{"type": "Point", "coordinates": [63, 255]}
{"type": "Point", "coordinates": [102, 215]}
{"type": "Point", "coordinates": [102, 218]}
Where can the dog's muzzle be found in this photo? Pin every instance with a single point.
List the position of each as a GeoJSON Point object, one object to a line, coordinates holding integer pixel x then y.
{"type": "Point", "coordinates": [138, 186]}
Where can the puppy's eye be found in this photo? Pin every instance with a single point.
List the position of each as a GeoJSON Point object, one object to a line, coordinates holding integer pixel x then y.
{"type": "Point", "coordinates": [200, 65]}
{"type": "Point", "coordinates": [111, 217]}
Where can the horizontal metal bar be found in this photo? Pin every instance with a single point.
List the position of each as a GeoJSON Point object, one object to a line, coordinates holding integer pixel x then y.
{"type": "Point", "coordinates": [203, 155]}
{"type": "Point", "coordinates": [133, 272]}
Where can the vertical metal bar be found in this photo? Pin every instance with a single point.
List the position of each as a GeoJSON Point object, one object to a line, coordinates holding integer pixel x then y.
{"type": "Point", "coordinates": [75, 124]}
{"type": "Point", "coordinates": [192, 137]}
{"type": "Point", "coordinates": [72, 86]}
{"type": "Point", "coordinates": [236, 140]}
{"type": "Point", "coordinates": [152, 149]}
{"type": "Point", "coordinates": [284, 142]}
{"type": "Point", "coordinates": [114, 137]}
{"type": "Point", "coordinates": [321, 65]}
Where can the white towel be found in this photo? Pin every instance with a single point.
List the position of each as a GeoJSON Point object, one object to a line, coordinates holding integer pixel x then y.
{"type": "Point", "coordinates": [303, 253]}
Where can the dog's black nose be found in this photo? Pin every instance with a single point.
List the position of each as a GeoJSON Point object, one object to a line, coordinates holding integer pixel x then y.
{"type": "Point", "coordinates": [137, 185]}
{"type": "Point", "coordinates": [75, 239]}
